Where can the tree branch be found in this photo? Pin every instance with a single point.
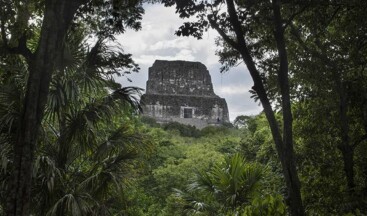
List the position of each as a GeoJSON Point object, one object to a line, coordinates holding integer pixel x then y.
{"type": "Point", "coordinates": [21, 49]}
{"type": "Point", "coordinates": [289, 21]}
{"type": "Point", "coordinates": [255, 74]}
{"type": "Point", "coordinates": [296, 34]}
{"type": "Point", "coordinates": [235, 23]}
{"type": "Point", "coordinates": [226, 38]}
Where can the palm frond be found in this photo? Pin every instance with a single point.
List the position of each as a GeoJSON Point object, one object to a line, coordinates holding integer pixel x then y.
{"type": "Point", "coordinates": [128, 95]}
{"type": "Point", "coordinates": [6, 142]}
{"type": "Point", "coordinates": [57, 100]}
{"type": "Point", "coordinates": [102, 63]}
{"type": "Point", "coordinates": [12, 93]}
{"type": "Point", "coordinates": [45, 171]}
{"type": "Point", "coordinates": [203, 182]}
{"type": "Point", "coordinates": [236, 180]}
{"type": "Point", "coordinates": [72, 204]}
{"type": "Point", "coordinates": [121, 139]}
{"type": "Point", "coordinates": [47, 180]}
{"type": "Point", "coordinates": [74, 51]}
{"type": "Point", "coordinates": [190, 204]}
{"type": "Point", "coordinates": [82, 123]}
{"type": "Point", "coordinates": [111, 172]}
{"type": "Point", "coordinates": [233, 183]}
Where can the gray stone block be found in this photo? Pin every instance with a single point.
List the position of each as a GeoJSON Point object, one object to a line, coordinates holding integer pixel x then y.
{"type": "Point", "coordinates": [182, 91]}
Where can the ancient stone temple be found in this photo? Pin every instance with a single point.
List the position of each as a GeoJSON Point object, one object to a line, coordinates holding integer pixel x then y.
{"type": "Point", "coordinates": [182, 91]}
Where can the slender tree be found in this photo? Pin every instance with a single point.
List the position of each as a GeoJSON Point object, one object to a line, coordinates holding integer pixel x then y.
{"type": "Point", "coordinates": [17, 26]}
{"type": "Point", "coordinates": [334, 37]}
{"type": "Point", "coordinates": [78, 156]}
{"type": "Point", "coordinates": [235, 29]}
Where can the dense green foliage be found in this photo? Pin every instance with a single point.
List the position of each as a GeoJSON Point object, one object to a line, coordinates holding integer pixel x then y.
{"type": "Point", "coordinates": [72, 141]}
{"type": "Point", "coordinates": [175, 175]}
{"type": "Point", "coordinates": [89, 145]}
{"type": "Point", "coordinates": [182, 175]}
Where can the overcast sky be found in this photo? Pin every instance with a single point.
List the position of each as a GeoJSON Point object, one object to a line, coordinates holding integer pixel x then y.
{"type": "Point", "coordinates": [157, 40]}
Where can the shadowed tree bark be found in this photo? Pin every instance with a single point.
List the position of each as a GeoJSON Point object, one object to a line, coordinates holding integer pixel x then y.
{"type": "Point", "coordinates": [18, 26]}
{"type": "Point", "coordinates": [284, 144]}
{"type": "Point", "coordinates": [57, 18]}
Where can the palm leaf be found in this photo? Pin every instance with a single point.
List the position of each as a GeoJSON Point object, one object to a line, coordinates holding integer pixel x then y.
{"type": "Point", "coordinates": [192, 205]}
{"type": "Point", "coordinates": [6, 142]}
{"type": "Point", "coordinates": [12, 94]}
{"type": "Point", "coordinates": [72, 204]}
{"type": "Point", "coordinates": [233, 183]}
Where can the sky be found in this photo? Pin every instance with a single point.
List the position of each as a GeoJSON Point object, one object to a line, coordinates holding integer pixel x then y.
{"type": "Point", "coordinates": [157, 41]}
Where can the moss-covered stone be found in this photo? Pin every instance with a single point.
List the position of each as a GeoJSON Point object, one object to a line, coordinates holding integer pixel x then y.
{"type": "Point", "coordinates": [182, 91]}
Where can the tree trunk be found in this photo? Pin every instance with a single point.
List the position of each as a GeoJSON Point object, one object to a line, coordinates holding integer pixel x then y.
{"type": "Point", "coordinates": [57, 18]}
{"type": "Point", "coordinates": [348, 153]}
{"type": "Point", "coordinates": [283, 145]}
{"type": "Point", "coordinates": [345, 147]}
{"type": "Point", "coordinates": [293, 183]}
{"type": "Point", "coordinates": [364, 108]}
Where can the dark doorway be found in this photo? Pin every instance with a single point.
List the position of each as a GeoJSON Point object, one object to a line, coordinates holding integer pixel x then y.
{"type": "Point", "coordinates": [187, 113]}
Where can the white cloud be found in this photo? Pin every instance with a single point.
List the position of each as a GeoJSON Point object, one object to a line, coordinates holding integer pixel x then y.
{"type": "Point", "coordinates": [178, 43]}
{"type": "Point", "coordinates": [181, 55]}
{"type": "Point", "coordinates": [232, 90]}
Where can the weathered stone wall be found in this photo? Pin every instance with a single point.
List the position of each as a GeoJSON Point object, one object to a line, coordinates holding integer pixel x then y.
{"type": "Point", "coordinates": [179, 77]}
{"type": "Point", "coordinates": [182, 91]}
{"type": "Point", "coordinates": [167, 106]}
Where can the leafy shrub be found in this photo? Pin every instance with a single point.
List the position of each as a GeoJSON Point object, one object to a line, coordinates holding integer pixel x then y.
{"type": "Point", "coordinates": [266, 206]}
{"type": "Point", "coordinates": [225, 187]}
{"type": "Point", "coordinates": [227, 125]}
{"type": "Point", "coordinates": [149, 121]}
{"type": "Point", "coordinates": [211, 130]}
{"type": "Point", "coordinates": [185, 130]}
